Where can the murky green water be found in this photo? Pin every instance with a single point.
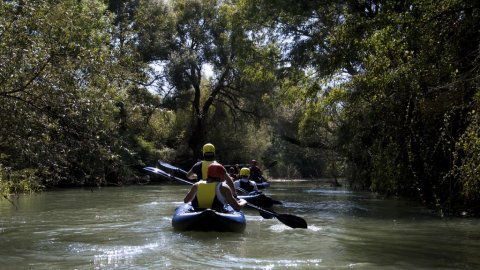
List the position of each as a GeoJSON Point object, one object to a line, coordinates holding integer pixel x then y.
{"type": "Point", "coordinates": [129, 228]}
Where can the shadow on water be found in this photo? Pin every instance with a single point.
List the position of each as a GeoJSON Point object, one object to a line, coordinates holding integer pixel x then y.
{"type": "Point", "coordinates": [130, 227]}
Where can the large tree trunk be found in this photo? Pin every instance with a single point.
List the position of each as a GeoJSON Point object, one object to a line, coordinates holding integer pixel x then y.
{"type": "Point", "coordinates": [198, 135]}
{"type": "Point", "coordinates": [200, 114]}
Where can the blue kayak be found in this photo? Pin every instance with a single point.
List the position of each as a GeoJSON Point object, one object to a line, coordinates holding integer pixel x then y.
{"type": "Point", "coordinates": [259, 199]}
{"type": "Point", "coordinates": [263, 185]}
{"type": "Point", "coordinates": [187, 219]}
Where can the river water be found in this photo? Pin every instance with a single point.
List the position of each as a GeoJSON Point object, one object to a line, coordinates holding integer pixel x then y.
{"type": "Point", "coordinates": [130, 228]}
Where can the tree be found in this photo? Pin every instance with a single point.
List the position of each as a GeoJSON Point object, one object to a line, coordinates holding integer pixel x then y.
{"type": "Point", "coordinates": [410, 87]}
{"type": "Point", "coordinates": [59, 82]}
{"type": "Point", "coordinates": [201, 35]}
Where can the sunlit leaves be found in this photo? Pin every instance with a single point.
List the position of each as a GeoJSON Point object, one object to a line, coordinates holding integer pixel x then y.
{"type": "Point", "coordinates": [468, 155]}
{"type": "Point", "coordinates": [56, 89]}
{"type": "Point", "coordinates": [411, 67]}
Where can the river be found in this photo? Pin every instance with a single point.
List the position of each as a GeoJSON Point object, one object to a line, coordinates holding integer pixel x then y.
{"type": "Point", "coordinates": [130, 228]}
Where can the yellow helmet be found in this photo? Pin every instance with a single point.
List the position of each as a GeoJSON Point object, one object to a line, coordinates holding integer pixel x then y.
{"type": "Point", "coordinates": [208, 148]}
{"type": "Point", "coordinates": [245, 172]}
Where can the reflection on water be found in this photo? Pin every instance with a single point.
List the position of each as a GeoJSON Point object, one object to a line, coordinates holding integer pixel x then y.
{"type": "Point", "coordinates": [130, 228]}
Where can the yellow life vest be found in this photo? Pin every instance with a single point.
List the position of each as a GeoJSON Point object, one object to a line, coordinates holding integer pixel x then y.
{"type": "Point", "coordinates": [206, 194]}
{"type": "Point", "coordinates": [205, 164]}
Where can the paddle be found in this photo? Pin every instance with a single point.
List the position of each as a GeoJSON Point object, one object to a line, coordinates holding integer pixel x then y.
{"type": "Point", "coordinates": [170, 166]}
{"type": "Point", "coordinates": [246, 193]}
{"type": "Point", "coordinates": [176, 169]}
{"type": "Point", "coordinates": [265, 216]}
{"type": "Point", "coordinates": [287, 219]}
{"type": "Point", "coordinates": [165, 174]}
{"type": "Point", "coordinates": [273, 163]}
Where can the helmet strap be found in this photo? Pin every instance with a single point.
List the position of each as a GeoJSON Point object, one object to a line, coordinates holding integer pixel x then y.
{"type": "Point", "coordinates": [209, 156]}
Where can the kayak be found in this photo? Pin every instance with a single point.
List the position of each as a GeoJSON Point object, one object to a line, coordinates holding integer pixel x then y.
{"type": "Point", "coordinates": [187, 219]}
{"type": "Point", "coordinates": [159, 172]}
{"type": "Point", "coordinates": [263, 185]}
{"type": "Point", "coordinates": [259, 199]}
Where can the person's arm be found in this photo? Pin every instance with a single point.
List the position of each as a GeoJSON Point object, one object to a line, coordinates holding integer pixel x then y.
{"type": "Point", "coordinates": [260, 175]}
{"type": "Point", "coordinates": [191, 194]}
{"type": "Point", "coordinates": [191, 175]}
{"type": "Point", "coordinates": [230, 184]}
{"type": "Point", "coordinates": [255, 188]}
{"type": "Point", "coordinates": [227, 193]}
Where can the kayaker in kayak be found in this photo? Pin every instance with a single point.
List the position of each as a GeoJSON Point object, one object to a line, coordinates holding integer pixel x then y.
{"type": "Point", "coordinates": [233, 172]}
{"type": "Point", "coordinates": [213, 192]}
{"type": "Point", "coordinates": [199, 169]}
{"type": "Point", "coordinates": [244, 183]}
{"type": "Point", "coordinates": [256, 173]}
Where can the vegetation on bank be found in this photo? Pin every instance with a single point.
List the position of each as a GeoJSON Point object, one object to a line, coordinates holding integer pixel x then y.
{"type": "Point", "coordinates": [384, 93]}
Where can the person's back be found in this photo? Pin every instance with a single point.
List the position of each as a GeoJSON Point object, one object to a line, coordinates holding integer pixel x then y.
{"type": "Point", "coordinates": [199, 169]}
{"type": "Point", "coordinates": [208, 196]}
{"type": "Point", "coordinates": [255, 172]}
{"type": "Point", "coordinates": [244, 183]}
{"type": "Point", "coordinates": [213, 193]}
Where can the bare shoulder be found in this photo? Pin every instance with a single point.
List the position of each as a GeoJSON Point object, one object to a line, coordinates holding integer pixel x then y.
{"type": "Point", "coordinates": [224, 187]}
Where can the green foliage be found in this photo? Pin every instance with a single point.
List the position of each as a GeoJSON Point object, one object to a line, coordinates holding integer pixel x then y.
{"type": "Point", "coordinates": [188, 37]}
{"type": "Point", "coordinates": [410, 79]}
{"type": "Point", "coordinates": [408, 104]}
{"type": "Point", "coordinates": [469, 143]}
{"type": "Point", "coordinates": [467, 165]}
{"type": "Point", "coordinates": [382, 91]}
{"type": "Point", "coordinates": [15, 182]}
{"type": "Point", "coordinates": [60, 94]}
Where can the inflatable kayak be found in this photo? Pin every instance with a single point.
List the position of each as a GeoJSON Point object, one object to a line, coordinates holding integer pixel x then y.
{"type": "Point", "coordinates": [187, 219]}
{"type": "Point", "coordinates": [259, 199]}
{"type": "Point", "coordinates": [263, 185]}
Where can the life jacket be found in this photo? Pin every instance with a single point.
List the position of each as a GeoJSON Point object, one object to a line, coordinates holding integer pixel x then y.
{"type": "Point", "coordinates": [246, 185]}
{"type": "Point", "coordinates": [205, 164]}
{"type": "Point", "coordinates": [200, 169]}
{"type": "Point", "coordinates": [255, 174]}
{"type": "Point", "coordinates": [207, 196]}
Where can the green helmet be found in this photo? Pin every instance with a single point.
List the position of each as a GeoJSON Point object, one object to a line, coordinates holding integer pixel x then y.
{"type": "Point", "coordinates": [245, 172]}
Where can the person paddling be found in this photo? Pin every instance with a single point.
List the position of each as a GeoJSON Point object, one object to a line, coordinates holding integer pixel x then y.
{"type": "Point", "coordinates": [256, 173]}
{"type": "Point", "coordinates": [233, 172]}
{"type": "Point", "coordinates": [213, 192]}
{"type": "Point", "coordinates": [244, 183]}
{"type": "Point", "coordinates": [199, 169]}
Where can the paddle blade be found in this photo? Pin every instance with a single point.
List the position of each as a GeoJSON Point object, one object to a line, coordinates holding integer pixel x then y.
{"type": "Point", "coordinates": [289, 220]}
{"type": "Point", "coordinates": [170, 166]}
{"type": "Point", "coordinates": [276, 202]}
{"type": "Point", "coordinates": [272, 164]}
{"type": "Point", "coordinates": [166, 165]}
{"type": "Point", "coordinates": [292, 221]}
{"type": "Point", "coordinates": [266, 215]}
